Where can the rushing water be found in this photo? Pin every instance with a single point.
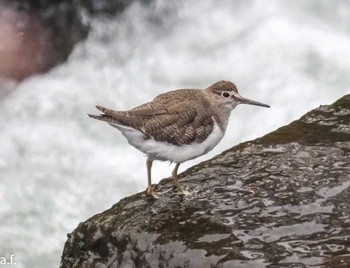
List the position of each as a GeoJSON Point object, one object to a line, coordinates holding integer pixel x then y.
{"type": "Point", "coordinates": [58, 167]}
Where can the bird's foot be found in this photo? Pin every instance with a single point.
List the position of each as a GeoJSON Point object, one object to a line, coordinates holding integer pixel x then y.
{"type": "Point", "coordinates": [152, 194]}
{"type": "Point", "coordinates": [155, 195]}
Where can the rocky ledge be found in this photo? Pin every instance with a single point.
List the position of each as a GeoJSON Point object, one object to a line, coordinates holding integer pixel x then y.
{"type": "Point", "coordinates": [299, 215]}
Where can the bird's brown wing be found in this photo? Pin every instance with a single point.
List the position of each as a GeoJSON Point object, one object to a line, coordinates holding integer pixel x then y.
{"type": "Point", "coordinates": [173, 122]}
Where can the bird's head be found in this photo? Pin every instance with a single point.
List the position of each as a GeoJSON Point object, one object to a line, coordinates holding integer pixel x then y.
{"type": "Point", "coordinates": [226, 94]}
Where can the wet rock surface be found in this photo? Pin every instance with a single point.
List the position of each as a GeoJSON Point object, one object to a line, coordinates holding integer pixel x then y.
{"type": "Point", "coordinates": [299, 215]}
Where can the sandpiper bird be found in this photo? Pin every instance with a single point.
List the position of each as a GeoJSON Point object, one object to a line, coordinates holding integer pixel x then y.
{"type": "Point", "coordinates": [178, 125]}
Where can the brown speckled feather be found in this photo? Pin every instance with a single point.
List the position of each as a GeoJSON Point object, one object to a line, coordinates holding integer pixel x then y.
{"type": "Point", "coordinates": [178, 117]}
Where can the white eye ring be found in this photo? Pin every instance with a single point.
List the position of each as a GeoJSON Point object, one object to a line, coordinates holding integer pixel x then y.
{"type": "Point", "coordinates": [225, 94]}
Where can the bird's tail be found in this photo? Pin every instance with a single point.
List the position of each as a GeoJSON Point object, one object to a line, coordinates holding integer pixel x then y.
{"type": "Point", "coordinates": [102, 117]}
{"type": "Point", "coordinates": [112, 117]}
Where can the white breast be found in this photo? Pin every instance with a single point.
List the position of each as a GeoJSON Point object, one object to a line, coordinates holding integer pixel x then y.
{"type": "Point", "coordinates": [164, 151]}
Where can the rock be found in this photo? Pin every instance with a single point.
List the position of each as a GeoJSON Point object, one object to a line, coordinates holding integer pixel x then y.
{"type": "Point", "coordinates": [111, 7]}
{"type": "Point", "coordinates": [39, 35]}
{"type": "Point", "coordinates": [42, 33]}
{"type": "Point", "coordinates": [298, 216]}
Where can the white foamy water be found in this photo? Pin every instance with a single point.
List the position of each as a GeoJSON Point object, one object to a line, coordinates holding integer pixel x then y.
{"type": "Point", "coordinates": [59, 167]}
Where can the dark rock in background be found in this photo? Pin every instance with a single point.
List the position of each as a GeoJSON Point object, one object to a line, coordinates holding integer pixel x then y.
{"type": "Point", "coordinates": [39, 35]}
{"type": "Point", "coordinates": [111, 7]}
{"type": "Point", "coordinates": [299, 215]}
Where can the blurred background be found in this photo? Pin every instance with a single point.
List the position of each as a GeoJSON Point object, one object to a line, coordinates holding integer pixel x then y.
{"type": "Point", "coordinates": [60, 58]}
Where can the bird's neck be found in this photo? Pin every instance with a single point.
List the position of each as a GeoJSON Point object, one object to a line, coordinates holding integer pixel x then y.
{"type": "Point", "coordinates": [221, 116]}
{"type": "Point", "coordinates": [221, 113]}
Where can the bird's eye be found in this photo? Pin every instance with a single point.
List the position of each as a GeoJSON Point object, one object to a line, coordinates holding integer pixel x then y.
{"type": "Point", "coordinates": [225, 94]}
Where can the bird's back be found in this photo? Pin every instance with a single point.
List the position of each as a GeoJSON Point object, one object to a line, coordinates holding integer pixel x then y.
{"type": "Point", "coordinates": [177, 117]}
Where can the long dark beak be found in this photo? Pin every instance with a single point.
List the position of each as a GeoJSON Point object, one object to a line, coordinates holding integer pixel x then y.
{"type": "Point", "coordinates": [252, 102]}
{"type": "Point", "coordinates": [248, 101]}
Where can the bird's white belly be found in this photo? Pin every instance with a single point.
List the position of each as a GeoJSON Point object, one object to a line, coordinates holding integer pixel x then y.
{"type": "Point", "coordinates": [165, 151]}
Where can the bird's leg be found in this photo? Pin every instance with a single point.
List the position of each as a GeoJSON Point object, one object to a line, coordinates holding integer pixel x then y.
{"type": "Point", "coordinates": [176, 179]}
{"type": "Point", "coordinates": [150, 191]}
